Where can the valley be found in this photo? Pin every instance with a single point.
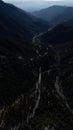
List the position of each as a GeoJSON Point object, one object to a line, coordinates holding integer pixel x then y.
{"type": "Point", "coordinates": [44, 98]}
{"type": "Point", "coordinates": [36, 70]}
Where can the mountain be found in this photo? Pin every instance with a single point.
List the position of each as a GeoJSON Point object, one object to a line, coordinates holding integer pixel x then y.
{"type": "Point", "coordinates": [17, 23]}
{"type": "Point", "coordinates": [58, 34]}
{"type": "Point", "coordinates": [55, 14]}
{"type": "Point", "coordinates": [17, 29]}
{"type": "Point", "coordinates": [49, 13]}
{"type": "Point", "coordinates": [36, 90]}
{"type": "Point", "coordinates": [65, 16]}
{"type": "Point", "coordinates": [36, 80]}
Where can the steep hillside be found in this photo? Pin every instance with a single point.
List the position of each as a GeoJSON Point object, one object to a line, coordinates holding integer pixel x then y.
{"type": "Point", "coordinates": [16, 31]}
{"type": "Point", "coordinates": [36, 90]}
{"type": "Point", "coordinates": [58, 34]}
{"type": "Point", "coordinates": [36, 80]}
{"type": "Point", "coordinates": [49, 13]}
{"type": "Point", "coordinates": [65, 16]}
{"type": "Point", "coordinates": [17, 23]}
{"type": "Point", "coordinates": [55, 14]}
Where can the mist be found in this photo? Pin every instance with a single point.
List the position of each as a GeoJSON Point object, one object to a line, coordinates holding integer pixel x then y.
{"type": "Point", "coordinates": [37, 5]}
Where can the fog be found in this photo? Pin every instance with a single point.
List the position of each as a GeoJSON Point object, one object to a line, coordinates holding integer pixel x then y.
{"type": "Point", "coordinates": [37, 5]}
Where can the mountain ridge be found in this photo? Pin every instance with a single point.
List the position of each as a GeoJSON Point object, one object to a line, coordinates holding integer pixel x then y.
{"type": "Point", "coordinates": [36, 80]}
{"type": "Point", "coordinates": [55, 14]}
{"type": "Point", "coordinates": [20, 20]}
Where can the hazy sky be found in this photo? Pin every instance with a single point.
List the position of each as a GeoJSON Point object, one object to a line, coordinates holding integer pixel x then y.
{"type": "Point", "coordinates": [38, 4]}
{"type": "Point", "coordinates": [36, 0]}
